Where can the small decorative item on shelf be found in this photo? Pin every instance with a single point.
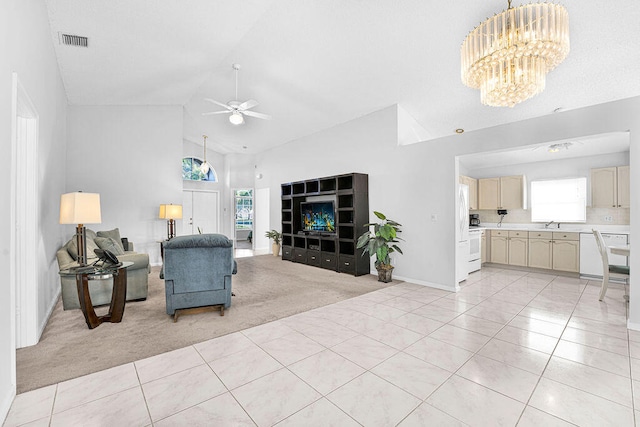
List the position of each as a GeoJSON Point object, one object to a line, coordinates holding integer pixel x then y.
{"type": "Point", "coordinates": [276, 236]}
{"type": "Point", "coordinates": [381, 244]}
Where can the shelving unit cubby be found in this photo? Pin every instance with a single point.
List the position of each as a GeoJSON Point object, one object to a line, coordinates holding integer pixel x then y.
{"type": "Point", "coordinates": [334, 251]}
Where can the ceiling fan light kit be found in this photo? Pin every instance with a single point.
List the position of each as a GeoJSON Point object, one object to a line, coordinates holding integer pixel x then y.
{"type": "Point", "coordinates": [509, 55]}
{"type": "Point", "coordinates": [237, 109]}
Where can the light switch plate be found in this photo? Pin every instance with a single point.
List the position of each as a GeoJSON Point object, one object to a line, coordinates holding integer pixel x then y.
{"type": "Point", "coordinates": [434, 217]}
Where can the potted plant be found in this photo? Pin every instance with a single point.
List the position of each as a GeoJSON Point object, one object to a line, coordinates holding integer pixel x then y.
{"type": "Point", "coordinates": [276, 237]}
{"type": "Point", "coordinates": [381, 243]}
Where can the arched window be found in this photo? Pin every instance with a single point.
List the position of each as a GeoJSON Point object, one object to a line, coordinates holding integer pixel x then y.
{"type": "Point", "coordinates": [191, 171]}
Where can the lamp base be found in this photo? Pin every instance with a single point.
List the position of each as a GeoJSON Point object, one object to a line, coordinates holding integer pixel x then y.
{"type": "Point", "coordinates": [171, 229]}
{"type": "Point", "coordinates": [81, 243]}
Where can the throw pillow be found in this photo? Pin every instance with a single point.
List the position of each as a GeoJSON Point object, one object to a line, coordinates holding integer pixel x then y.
{"type": "Point", "coordinates": [72, 248]}
{"type": "Point", "coordinates": [114, 234]}
{"type": "Point", "coordinates": [108, 244]}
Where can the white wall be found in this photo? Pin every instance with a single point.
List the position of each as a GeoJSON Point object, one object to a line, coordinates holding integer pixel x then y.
{"type": "Point", "coordinates": [412, 182]}
{"type": "Point", "coordinates": [26, 46]}
{"type": "Point", "coordinates": [132, 156]}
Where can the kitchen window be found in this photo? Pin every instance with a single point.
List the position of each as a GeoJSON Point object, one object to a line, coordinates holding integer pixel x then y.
{"type": "Point", "coordinates": [559, 200]}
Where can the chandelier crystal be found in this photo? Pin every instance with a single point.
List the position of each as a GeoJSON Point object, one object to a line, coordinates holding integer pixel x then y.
{"type": "Point", "coordinates": [509, 55]}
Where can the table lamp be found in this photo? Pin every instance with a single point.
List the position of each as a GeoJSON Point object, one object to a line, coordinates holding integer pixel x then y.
{"type": "Point", "coordinates": [171, 213]}
{"type": "Point", "coordinates": [80, 208]}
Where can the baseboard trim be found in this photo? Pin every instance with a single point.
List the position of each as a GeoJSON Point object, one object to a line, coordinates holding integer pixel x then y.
{"type": "Point", "coordinates": [424, 283]}
{"type": "Point", "coordinates": [45, 320]}
{"type": "Point", "coordinates": [633, 326]}
{"type": "Point", "coordinates": [5, 406]}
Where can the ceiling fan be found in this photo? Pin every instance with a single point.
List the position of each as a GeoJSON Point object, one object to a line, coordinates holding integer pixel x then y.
{"type": "Point", "coordinates": [237, 109]}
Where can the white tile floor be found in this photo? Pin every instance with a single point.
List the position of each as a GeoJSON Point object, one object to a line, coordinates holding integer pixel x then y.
{"type": "Point", "coordinates": [511, 348]}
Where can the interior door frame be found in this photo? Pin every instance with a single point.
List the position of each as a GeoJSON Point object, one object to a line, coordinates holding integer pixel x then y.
{"type": "Point", "coordinates": [25, 229]}
{"type": "Point", "coordinates": [233, 209]}
{"type": "Point", "coordinates": [218, 207]}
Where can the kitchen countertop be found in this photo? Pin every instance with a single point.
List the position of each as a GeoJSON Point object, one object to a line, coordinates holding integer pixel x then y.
{"type": "Point", "coordinates": [569, 228]}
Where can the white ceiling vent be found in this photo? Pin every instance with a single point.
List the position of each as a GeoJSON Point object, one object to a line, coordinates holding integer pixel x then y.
{"type": "Point", "coordinates": [71, 40]}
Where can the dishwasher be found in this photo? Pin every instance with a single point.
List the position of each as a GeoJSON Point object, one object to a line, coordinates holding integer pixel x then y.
{"type": "Point", "coordinates": [590, 259]}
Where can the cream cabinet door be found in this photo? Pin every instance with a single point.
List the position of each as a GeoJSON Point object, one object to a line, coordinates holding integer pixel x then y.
{"type": "Point", "coordinates": [512, 192]}
{"type": "Point", "coordinates": [540, 253]}
{"type": "Point", "coordinates": [473, 193]}
{"type": "Point", "coordinates": [483, 249]}
{"type": "Point", "coordinates": [623, 186]}
{"type": "Point", "coordinates": [603, 188]}
{"type": "Point", "coordinates": [518, 251]}
{"type": "Point", "coordinates": [566, 255]}
{"type": "Point", "coordinates": [488, 193]}
{"type": "Point", "coordinates": [499, 249]}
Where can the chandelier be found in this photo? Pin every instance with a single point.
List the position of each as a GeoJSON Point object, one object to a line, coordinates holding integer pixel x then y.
{"type": "Point", "coordinates": [509, 55]}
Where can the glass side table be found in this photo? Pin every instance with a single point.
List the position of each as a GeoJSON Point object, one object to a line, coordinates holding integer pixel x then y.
{"type": "Point", "coordinates": [118, 293]}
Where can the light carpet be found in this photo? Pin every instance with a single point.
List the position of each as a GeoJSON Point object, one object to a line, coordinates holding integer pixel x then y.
{"type": "Point", "coordinates": [266, 289]}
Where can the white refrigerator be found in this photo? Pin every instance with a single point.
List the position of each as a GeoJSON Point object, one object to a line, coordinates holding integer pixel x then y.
{"type": "Point", "coordinates": [462, 234]}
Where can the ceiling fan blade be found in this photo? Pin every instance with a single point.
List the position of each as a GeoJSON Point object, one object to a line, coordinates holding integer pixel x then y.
{"type": "Point", "coordinates": [218, 103]}
{"type": "Point", "coordinates": [257, 115]}
{"type": "Point", "coordinates": [215, 112]}
{"type": "Point", "coordinates": [247, 104]}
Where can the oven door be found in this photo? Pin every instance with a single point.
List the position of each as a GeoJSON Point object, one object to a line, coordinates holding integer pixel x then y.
{"type": "Point", "coordinates": [474, 244]}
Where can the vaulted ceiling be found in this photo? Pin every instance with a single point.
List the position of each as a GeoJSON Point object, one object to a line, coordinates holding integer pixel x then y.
{"type": "Point", "coordinates": [312, 64]}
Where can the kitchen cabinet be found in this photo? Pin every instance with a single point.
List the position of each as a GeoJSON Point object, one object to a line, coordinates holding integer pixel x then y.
{"type": "Point", "coordinates": [505, 192]}
{"type": "Point", "coordinates": [566, 251]}
{"type": "Point", "coordinates": [483, 247]}
{"type": "Point", "coordinates": [518, 248]}
{"type": "Point", "coordinates": [550, 250]}
{"type": "Point", "coordinates": [540, 249]}
{"type": "Point", "coordinates": [610, 187]}
{"type": "Point", "coordinates": [509, 247]}
{"type": "Point", "coordinates": [472, 183]}
{"type": "Point", "coordinates": [500, 246]}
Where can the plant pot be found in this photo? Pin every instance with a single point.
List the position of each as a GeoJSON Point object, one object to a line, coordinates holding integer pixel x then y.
{"type": "Point", "coordinates": [275, 249]}
{"type": "Point", "coordinates": [384, 274]}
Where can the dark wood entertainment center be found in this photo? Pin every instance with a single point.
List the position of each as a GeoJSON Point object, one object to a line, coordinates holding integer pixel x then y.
{"type": "Point", "coordinates": [334, 251]}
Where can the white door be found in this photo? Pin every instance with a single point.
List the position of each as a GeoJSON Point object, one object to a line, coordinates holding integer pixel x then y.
{"type": "Point", "coordinates": [200, 212]}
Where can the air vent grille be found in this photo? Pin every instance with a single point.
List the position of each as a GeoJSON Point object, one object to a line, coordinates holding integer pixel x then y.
{"type": "Point", "coordinates": [72, 40]}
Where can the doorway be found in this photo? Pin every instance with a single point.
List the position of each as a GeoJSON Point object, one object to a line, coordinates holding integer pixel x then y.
{"type": "Point", "coordinates": [200, 212]}
{"type": "Point", "coordinates": [24, 213]}
{"type": "Point", "coordinates": [243, 223]}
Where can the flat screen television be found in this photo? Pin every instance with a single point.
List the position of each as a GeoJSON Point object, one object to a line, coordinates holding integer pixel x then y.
{"type": "Point", "coordinates": [318, 216]}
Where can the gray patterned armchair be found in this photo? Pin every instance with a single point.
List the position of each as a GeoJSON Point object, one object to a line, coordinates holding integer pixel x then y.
{"type": "Point", "coordinates": [197, 272]}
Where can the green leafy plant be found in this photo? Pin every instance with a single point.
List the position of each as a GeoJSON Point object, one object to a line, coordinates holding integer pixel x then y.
{"type": "Point", "coordinates": [274, 235]}
{"type": "Point", "coordinates": [382, 242]}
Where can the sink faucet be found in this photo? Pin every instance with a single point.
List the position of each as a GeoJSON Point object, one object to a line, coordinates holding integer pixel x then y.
{"type": "Point", "coordinates": [549, 223]}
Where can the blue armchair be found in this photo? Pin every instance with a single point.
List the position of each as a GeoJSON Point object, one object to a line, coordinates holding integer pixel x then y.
{"type": "Point", "coordinates": [197, 272]}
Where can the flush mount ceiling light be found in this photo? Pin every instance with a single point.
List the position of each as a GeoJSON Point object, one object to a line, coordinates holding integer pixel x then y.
{"type": "Point", "coordinates": [509, 55]}
{"type": "Point", "coordinates": [554, 148]}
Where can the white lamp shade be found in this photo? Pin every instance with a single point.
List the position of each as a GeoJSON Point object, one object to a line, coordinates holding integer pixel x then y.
{"type": "Point", "coordinates": [171, 211]}
{"type": "Point", "coordinates": [80, 208]}
{"type": "Point", "coordinates": [236, 118]}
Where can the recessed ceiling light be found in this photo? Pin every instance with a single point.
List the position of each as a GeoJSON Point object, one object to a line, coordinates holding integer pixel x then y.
{"type": "Point", "coordinates": [459, 130]}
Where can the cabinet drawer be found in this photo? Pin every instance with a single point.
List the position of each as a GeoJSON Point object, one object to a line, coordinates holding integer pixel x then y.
{"type": "Point", "coordinates": [300, 255]}
{"type": "Point", "coordinates": [541, 235]}
{"type": "Point", "coordinates": [346, 264]}
{"type": "Point", "coordinates": [558, 235]}
{"type": "Point", "coordinates": [287, 252]}
{"type": "Point", "coordinates": [313, 258]}
{"type": "Point", "coordinates": [518, 233]}
{"type": "Point", "coordinates": [328, 260]}
{"type": "Point", "coordinates": [495, 233]}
